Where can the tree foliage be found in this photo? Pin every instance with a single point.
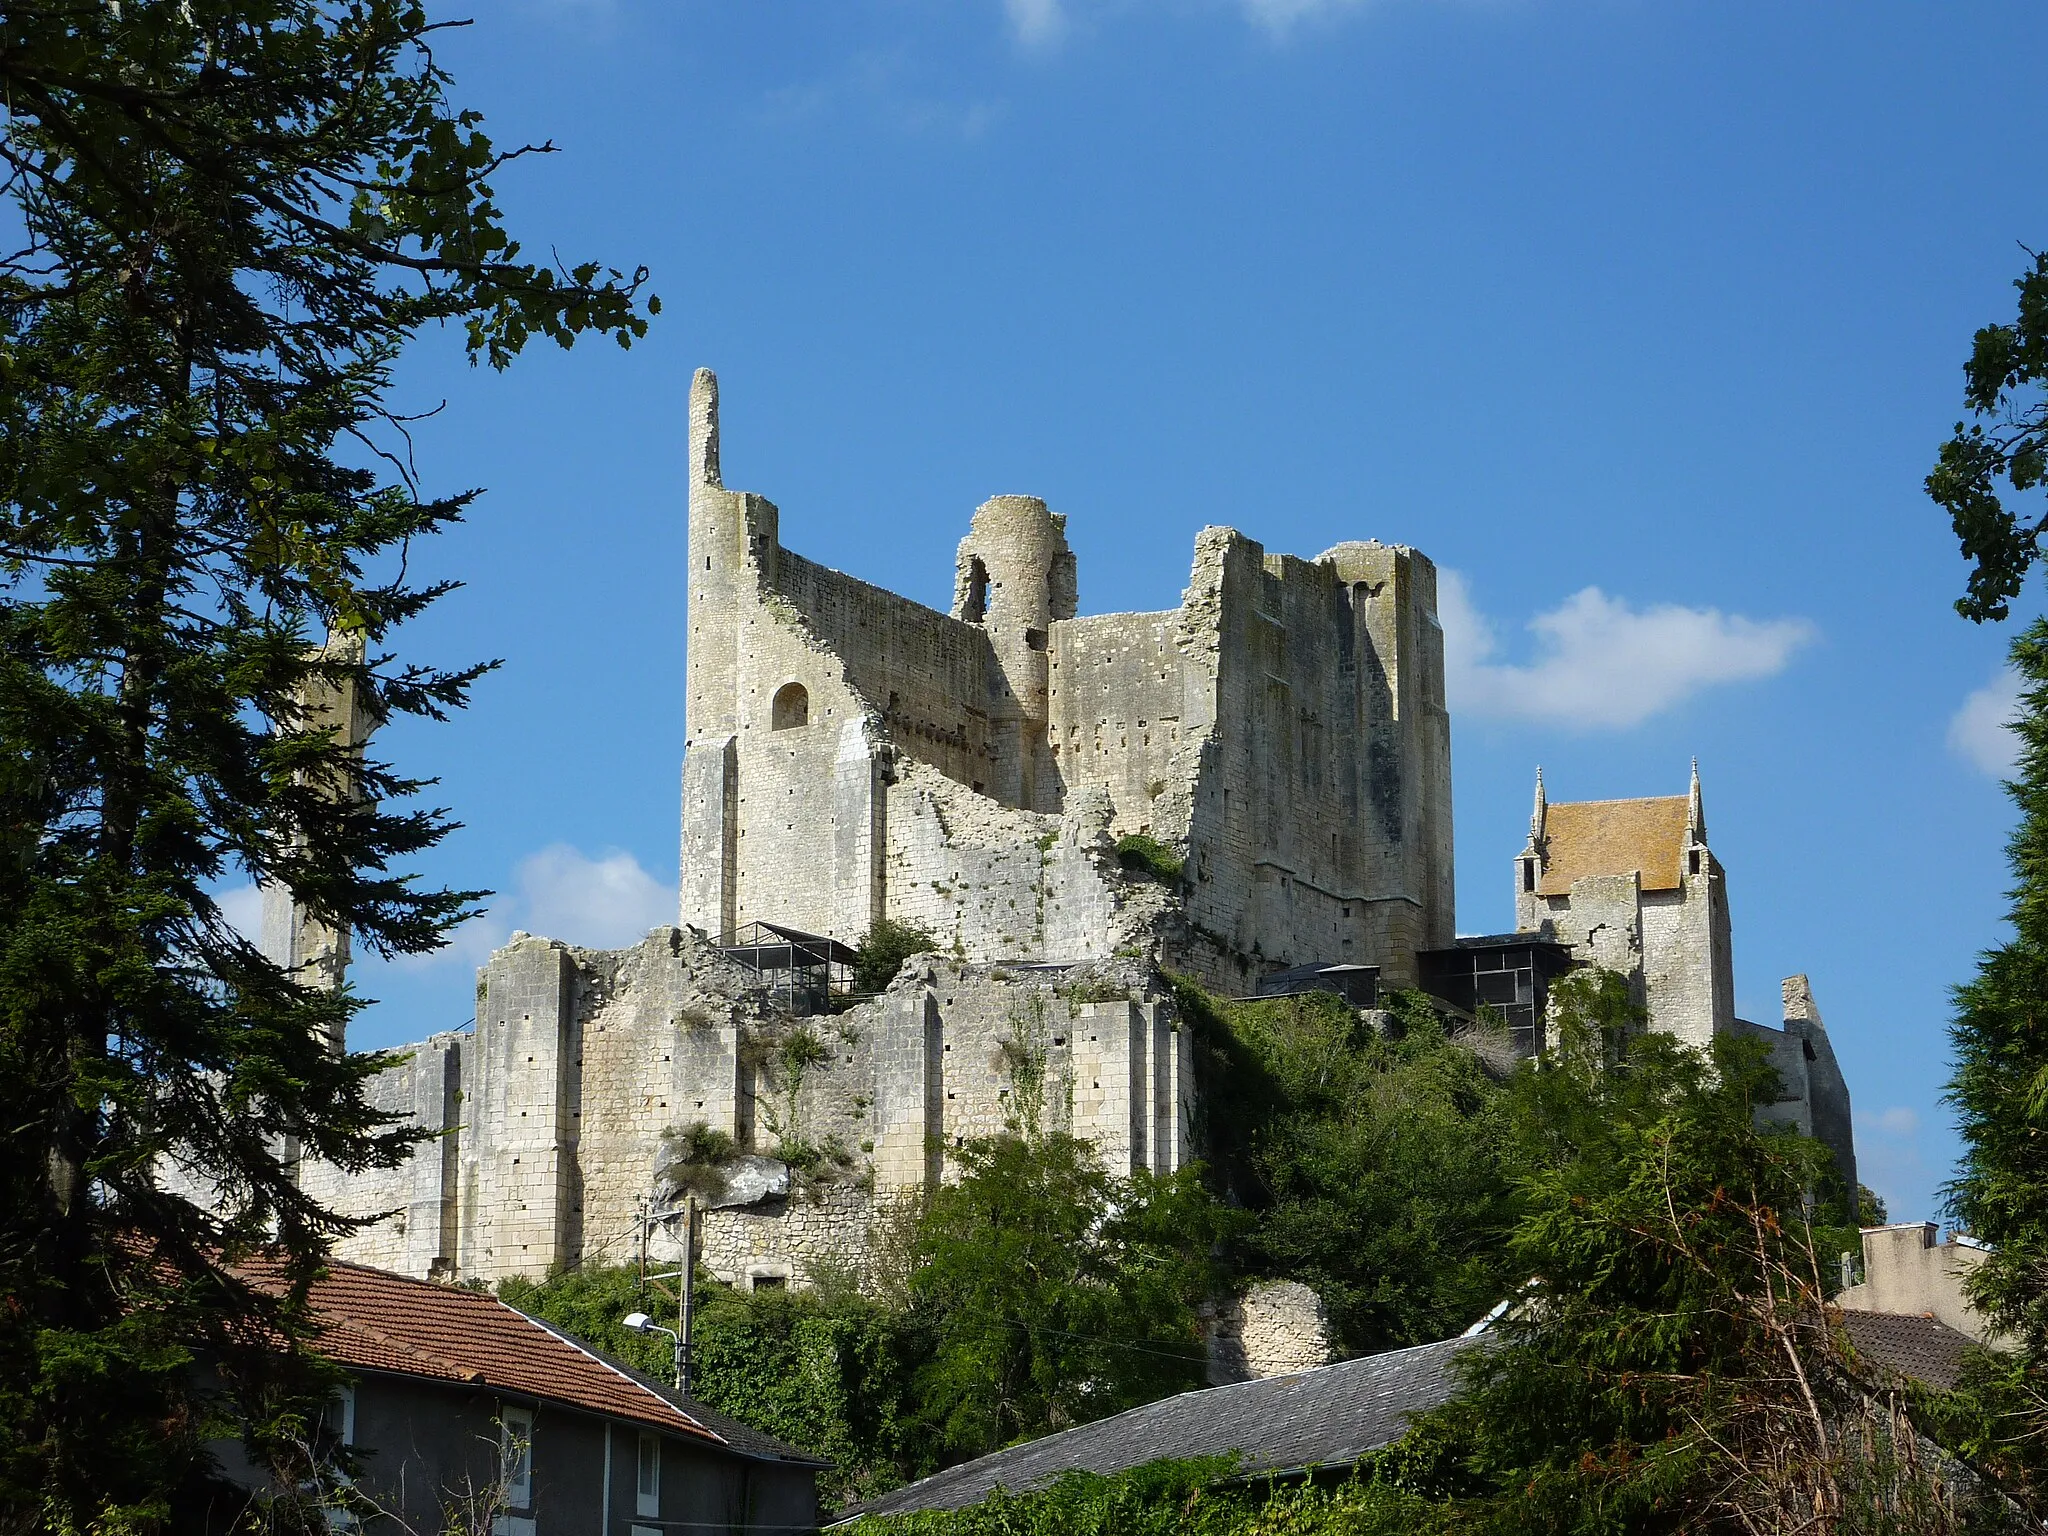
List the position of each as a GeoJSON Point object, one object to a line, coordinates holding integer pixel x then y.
{"type": "Point", "coordinates": [1990, 467]}
{"type": "Point", "coordinates": [1375, 1164]}
{"type": "Point", "coordinates": [228, 217]}
{"type": "Point", "coordinates": [1671, 1364]}
{"type": "Point", "coordinates": [2000, 1093]}
{"type": "Point", "coordinates": [824, 1369]}
{"type": "Point", "coordinates": [1054, 1292]}
{"type": "Point", "coordinates": [882, 951]}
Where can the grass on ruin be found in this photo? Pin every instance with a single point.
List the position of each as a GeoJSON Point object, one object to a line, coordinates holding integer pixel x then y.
{"type": "Point", "coordinates": [1143, 855]}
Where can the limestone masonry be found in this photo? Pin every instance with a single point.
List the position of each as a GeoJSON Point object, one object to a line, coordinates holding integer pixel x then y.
{"type": "Point", "coordinates": [852, 756]}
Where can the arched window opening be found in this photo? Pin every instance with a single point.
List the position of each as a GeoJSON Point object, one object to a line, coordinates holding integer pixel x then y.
{"type": "Point", "coordinates": [791, 709]}
{"type": "Point", "coordinates": [976, 608]}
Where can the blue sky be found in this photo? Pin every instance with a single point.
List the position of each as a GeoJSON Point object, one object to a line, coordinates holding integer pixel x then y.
{"type": "Point", "coordinates": [1643, 318]}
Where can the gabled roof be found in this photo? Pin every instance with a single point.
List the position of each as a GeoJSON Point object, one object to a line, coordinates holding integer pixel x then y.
{"type": "Point", "coordinates": [1919, 1347]}
{"type": "Point", "coordinates": [370, 1320]}
{"type": "Point", "coordinates": [1615, 837]}
{"type": "Point", "coordinates": [1327, 1417]}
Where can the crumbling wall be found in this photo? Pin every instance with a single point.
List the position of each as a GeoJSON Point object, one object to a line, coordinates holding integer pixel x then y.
{"type": "Point", "coordinates": [1320, 827]}
{"type": "Point", "coordinates": [418, 1236]}
{"type": "Point", "coordinates": [923, 673]}
{"type": "Point", "coordinates": [1277, 1327]}
{"type": "Point", "coordinates": [583, 1061]}
{"type": "Point", "coordinates": [1118, 697]}
{"type": "Point", "coordinates": [998, 885]}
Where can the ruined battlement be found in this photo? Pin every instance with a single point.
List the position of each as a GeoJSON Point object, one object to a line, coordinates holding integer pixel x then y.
{"type": "Point", "coordinates": [1284, 731]}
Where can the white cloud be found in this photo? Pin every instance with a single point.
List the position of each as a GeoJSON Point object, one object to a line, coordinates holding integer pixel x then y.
{"type": "Point", "coordinates": [468, 946]}
{"type": "Point", "coordinates": [602, 903]}
{"type": "Point", "coordinates": [1279, 15]}
{"type": "Point", "coordinates": [1037, 23]}
{"type": "Point", "coordinates": [242, 906]}
{"type": "Point", "coordinates": [1980, 731]}
{"type": "Point", "coordinates": [561, 892]}
{"type": "Point", "coordinates": [1601, 664]}
{"type": "Point", "coordinates": [1898, 1120]}
{"type": "Point", "coordinates": [883, 85]}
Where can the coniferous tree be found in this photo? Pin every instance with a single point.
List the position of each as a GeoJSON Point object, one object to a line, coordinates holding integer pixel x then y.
{"type": "Point", "coordinates": [226, 218]}
{"type": "Point", "coordinates": [2000, 1087]}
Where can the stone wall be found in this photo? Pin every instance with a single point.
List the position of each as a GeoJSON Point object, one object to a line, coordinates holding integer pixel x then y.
{"type": "Point", "coordinates": [1119, 693]}
{"type": "Point", "coordinates": [1320, 825]}
{"type": "Point", "coordinates": [1275, 1328]}
{"type": "Point", "coordinates": [1285, 727]}
{"type": "Point", "coordinates": [552, 1115]}
{"type": "Point", "coordinates": [418, 1236]}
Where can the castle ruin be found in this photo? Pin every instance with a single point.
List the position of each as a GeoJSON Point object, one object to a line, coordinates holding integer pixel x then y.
{"type": "Point", "coordinates": [852, 756]}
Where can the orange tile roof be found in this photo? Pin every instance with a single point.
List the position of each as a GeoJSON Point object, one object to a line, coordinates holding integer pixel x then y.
{"type": "Point", "coordinates": [375, 1321]}
{"type": "Point", "coordinates": [1615, 837]}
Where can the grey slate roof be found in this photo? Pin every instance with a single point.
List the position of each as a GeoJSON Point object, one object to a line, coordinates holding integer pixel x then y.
{"type": "Point", "coordinates": [1919, 1347]}
{"type": "Point", "coordinates": [1329, 1417]}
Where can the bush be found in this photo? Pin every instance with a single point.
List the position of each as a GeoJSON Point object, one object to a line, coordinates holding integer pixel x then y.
{"type": "Point", "coordinates": [1376, 1165]}
{"type": "Point", "coordinates": [1056, 1292]}
{"type": "Point", "coordinates": [882, 951]}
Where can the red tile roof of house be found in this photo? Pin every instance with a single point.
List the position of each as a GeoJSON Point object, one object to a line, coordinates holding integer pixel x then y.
{"type": "Point", "coordinates": [374, 1321]}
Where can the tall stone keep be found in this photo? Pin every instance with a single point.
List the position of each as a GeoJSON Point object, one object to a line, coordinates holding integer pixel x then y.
{"type": "Point", "coordinates": [853, 755]}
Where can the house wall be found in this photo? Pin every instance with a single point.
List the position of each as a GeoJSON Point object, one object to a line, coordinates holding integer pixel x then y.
{"type": "Point", "coordinates": [422, 1446]}
{"type": "Point", "coordinates": [1906, 1272]}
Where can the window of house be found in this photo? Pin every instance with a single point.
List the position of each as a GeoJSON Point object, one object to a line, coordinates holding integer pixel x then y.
{"type": "Point", "coordinates": [339, 1419]}
{"type": "Point", "coordinates": [791, 709]}
{"type": "Point", "coordinates": [647, 1493]}
{"type": "Point", "coordinates": [1528, 874]}
{"type": "Point", "coordinates": [515, 1456]}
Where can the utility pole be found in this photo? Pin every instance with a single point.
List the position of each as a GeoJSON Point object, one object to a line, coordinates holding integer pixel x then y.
{"type": "Point", "coordinates": [686, 1302]}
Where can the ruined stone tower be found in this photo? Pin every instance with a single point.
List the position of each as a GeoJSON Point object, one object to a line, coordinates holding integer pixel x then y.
{"type": "Point", "coordinates": [853, 755]}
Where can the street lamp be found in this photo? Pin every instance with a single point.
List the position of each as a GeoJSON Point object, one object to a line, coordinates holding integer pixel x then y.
{"type": "Point", "coordinates": [640, 1322]}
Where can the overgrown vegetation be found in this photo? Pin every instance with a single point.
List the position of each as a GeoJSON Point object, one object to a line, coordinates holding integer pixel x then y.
{"type": "Point", "coordinates": [1053, 1292]}
{"type": "Point", "coordinates": [1671, 1367]}
{"type": "Point", "coordinates": [2000, 1093]}
{"type": "Point", "coordinates": [2007, 444]}
{"type": "Point", "coordinates": [1036, 1292]}
{"type": "Point", "coordinates": [1144, 855]}
{"type": "Point", "coordinates": [882, 951]}
{"type": "Point", "coordinates": [824, 1369]}
{"type": "Point", "coordinates": [694, 1159]}
{"type": "Point", "coordinates": [1378, 1166]}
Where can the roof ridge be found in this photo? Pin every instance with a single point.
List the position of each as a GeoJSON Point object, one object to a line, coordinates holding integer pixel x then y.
{"type": "Point", "coordinates": [582, 1349]}
{"type": "Point", "coordinates": [1619, 800]}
